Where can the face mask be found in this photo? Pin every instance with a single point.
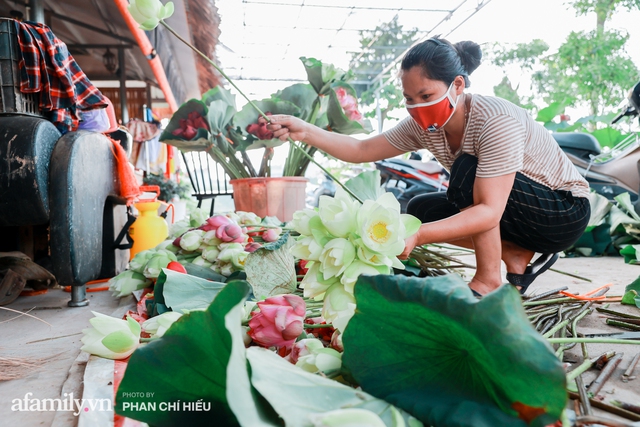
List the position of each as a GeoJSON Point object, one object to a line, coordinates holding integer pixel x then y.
{"type": "Point", "coordinates": [433, 115]}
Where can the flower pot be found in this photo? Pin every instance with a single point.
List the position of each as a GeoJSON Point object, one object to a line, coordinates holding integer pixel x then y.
{"type": "Point", "coordinates": [272, 196]}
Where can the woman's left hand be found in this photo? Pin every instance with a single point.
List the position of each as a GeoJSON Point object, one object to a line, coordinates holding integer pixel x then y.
{"type": "Point", "coordinates": [409, 243]}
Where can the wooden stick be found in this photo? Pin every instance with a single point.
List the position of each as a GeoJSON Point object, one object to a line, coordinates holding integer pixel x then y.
{"type": "Point", "coordinates": [609, 408]}
{"type": "Point", "coordinates": [605, 374]}
{"type": "Point", "coordinates": [628, 373]}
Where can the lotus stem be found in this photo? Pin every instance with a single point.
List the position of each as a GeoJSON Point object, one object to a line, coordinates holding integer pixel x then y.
{"type": "Point", "coordinates": [260, 112]}
{"type": "Point", "coordinates": [620, 324]}
{"type": "Point", "coordinates": [591, 341]}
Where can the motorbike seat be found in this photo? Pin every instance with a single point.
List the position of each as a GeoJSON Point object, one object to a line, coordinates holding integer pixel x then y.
{"type": "Point", "coordinates": [427, 167]}
{"type": "Point", "coordinates": [577, 141]}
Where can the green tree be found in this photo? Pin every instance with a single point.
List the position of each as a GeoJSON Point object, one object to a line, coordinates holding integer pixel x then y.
{"type": "Point", "coordinates": [590, 69]}
{"type": "Point", "coordinates": [379, 47]}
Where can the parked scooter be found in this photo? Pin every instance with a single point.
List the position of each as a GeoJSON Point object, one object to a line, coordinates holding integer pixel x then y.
{"type": "Point", "coordinates": [412, 177]}
{"type": "Point", "coordinates": [615, 171]}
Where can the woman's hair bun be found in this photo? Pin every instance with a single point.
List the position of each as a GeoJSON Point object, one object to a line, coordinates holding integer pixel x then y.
{"type": "Point", "coordinates": [470, 55]}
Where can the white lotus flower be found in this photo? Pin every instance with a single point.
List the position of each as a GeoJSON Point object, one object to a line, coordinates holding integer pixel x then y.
{"type": "Point", "coordinates": [149, 13]}
{"type": "Point", "coordinates": [374, 258]}
{"type": "Point", "coordinates": [158, 325]}
{"type": "Point", "coordinates": [191, 240]}
{"type": "Point", "coordinates": [338, 213]}
{"type": "Point", "coordinates": [313, 282]}
{"type": "Point", "coordinates": [336, 257]}
{"type": "Point", "coordinates": [110, 337]}
{"type": "Point", "coordinates": [314, 357]}
{"type": "Point", "coordinates": [355, 269]}
{"type": "Point", "coordinates": [300, 221]}
{"type": "Point", "coordinates": [126, 282]}
{"type": "Point", "coordinates": [233, 253]}
{"type": "Point", "coordinates": [159, 260]}
{"type": "Point", "coordinates": [382, 227]}
{"type": "Point", "coordinates": [339, 306]}
{"type": "Point", "coordinates": [349, 417]}
{"type": "Point", "coordinates": [248, 218]}
{"type": "Point", "coordinates": [307, 248]}
{"type": "Point", "coordinates": [210, 253]}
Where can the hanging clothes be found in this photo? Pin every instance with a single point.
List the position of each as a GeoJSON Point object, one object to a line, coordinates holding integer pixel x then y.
{"type": "Point", "coordinates": [47, 68]}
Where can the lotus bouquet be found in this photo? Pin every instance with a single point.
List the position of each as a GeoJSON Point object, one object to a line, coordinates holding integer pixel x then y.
{"type": "Point", "coordinates": [344, 239]}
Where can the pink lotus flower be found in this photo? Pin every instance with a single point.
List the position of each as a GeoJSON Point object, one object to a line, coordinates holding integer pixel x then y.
{"type": "Point", "coordinates": [349, 104]}
{"type": "Point", "coordinates": [230, 233]}
{"type": "Point", "coordinates": [272, 234]}
{"type": "Point", "coordinates": [279, 321]}
{"type": "Point", "coordinates": [252, 247]}
{"type": "Point", "coordinates": [259, 130]}
{"type": "Point", "coordinates": [189, 126]}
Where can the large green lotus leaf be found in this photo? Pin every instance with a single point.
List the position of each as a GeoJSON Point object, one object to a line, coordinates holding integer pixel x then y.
{"type": "Point", "coordinates": [338, 121]}
{"type": "Point", "coordinates": [200, 140]}
{"type": "Point", "coordinates": [186, 292]}
{"type": "Point", "coordinates": [300, 94]}
{"type": "Point", "coordinates": [219, 93]}
{"type": "Point", "coordinates": [321, 75]}
{"type": "Point", "coordinates": [600, 208]}
{"type": "Point", "coordinates": [630, 254]}
{"type": "Point", "coordinates": [431, 348]}
{"type": "Point", "coordinates": [296, 394]}
{"type": "Point", "coordinates": [632, 293]}
{"type": "Point", "coordinates": [595, 241]}
{"type": "Point", "coordinates": [366, 185]}
{"type": "Point", "coordinates": [248, 115]}
{"type": "Point", "coordinates": [201, 358]}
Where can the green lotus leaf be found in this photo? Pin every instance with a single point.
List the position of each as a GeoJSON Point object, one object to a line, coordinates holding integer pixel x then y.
{"type": "Point", "coordinates": [296, 394]}
{"type": "Point", "coordinates": [219, 93]}
{"type": "Point", "coordinates": [202, 137]}
{"type": "Point", "coordinates": [186, 292]}
{"type": "Point", "coordinates": [548, 113]}
{"type": "Point", "coordinates": [448, 358]}
{"type": "Point", "coordinates": [201, 358]}
{"type": "Point", "coordinates": [595, 241]}
{"type": "Point", "coordinates": [321, 75]}
{"type": "Point", "coordinates": [338, 121]}
{"type": "Point", "coordinates": [366, 185]}
{"type": "Point", "coordinates": [248, 115]}
{"type": "Point", "coordinates": [300, 94]}
{"type": "Point", "coordinates": [271, 270]}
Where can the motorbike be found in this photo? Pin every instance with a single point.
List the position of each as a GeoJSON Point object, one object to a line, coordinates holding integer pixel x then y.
{"type": "Point", "coordinates": [406, 178]}
{"type": "Point", "coordinates": [611, 172]}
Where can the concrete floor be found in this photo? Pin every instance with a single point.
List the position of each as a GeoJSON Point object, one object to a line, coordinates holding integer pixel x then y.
{"type": "Point", "coordinates": [61, 368]}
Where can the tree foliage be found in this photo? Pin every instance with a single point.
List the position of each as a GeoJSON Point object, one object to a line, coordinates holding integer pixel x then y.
{"type": "Point", "coordinates": [590, 69]}
{"type": "Point", "coordinates": [379, 47]}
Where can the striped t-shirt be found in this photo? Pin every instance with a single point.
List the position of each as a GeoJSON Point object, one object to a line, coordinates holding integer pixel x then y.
{"type": "Point", "coordinates": [505, 139]}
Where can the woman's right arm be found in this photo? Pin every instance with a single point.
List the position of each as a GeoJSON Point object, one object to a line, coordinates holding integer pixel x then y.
{"type": "Point", "coordinates": [343, 147]}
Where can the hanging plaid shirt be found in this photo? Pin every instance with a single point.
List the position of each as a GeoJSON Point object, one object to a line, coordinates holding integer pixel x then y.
{"type": "Point", "coordinates": [47, 67]}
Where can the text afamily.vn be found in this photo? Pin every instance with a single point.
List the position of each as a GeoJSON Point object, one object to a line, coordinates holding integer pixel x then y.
{"type": "Point", "coordinates": [198, 406]}
{"type": "Point", "coordinates": [66, 403]}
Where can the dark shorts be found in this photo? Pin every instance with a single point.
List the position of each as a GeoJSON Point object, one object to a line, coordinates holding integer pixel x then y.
{"type": "Point", "coordinates": [536, 217]}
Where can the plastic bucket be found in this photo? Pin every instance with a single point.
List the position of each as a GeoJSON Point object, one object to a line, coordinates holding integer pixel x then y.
{"type": "Point", "coordinates": [272, 196]}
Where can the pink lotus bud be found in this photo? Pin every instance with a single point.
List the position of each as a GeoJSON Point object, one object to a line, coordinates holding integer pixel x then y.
{"type": "Point", "coordinates": [252, 247]}
{"type": "Point", "coordinates": [279, 321]}
{"type": "Point", "coordinates": [336, 341]}
{"type": "Point", "coordinates": [229, 232]}
{"type": "Point", "coordinates": [299, 349]}
{"type": "Point", "coordinates": [218, 220]}
{"type": "Point", "coordinates": [271, 235]}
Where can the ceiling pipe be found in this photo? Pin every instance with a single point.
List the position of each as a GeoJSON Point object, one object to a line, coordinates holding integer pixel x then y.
{"type": "Point", "coordinates": [149, 52]}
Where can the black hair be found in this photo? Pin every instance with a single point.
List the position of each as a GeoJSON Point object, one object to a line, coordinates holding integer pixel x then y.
{"type": "Point", "coordinates": [441, 60]}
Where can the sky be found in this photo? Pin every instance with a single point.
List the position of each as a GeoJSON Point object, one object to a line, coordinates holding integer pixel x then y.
{"type": "Point", "coordinates": [503, 21]}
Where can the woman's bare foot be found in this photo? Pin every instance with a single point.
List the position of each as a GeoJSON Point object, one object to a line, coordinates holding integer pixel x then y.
{"type": "Point", "coordinates": [484, 287]}
{"type": "Point", "coordinates": [516, 258]}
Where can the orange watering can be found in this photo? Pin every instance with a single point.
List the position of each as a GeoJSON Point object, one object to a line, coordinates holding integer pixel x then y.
{"type": "Point", "coordinates": [149, 229]}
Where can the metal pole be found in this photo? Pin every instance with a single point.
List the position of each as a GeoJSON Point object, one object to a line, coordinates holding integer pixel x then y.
{"type": "Point", "coordinates": [124, 114]}
{"type": "Point", "coordinates": [378, 112]}
{"type": "Point", "coordinates": [36, 11]}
